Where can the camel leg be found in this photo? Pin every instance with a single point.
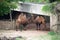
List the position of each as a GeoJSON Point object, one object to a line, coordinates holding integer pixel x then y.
{"type": "Point", "coordinates": [44, 26]}
{"type": "Point", "coordinates": [24, 26]}
{"type": "Point", "coordinates": [37, 26]}
{"type": "Point", "coordinates": [17, 27]}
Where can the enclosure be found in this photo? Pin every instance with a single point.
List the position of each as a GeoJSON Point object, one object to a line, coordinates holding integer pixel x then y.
{"type": "Point", "coordinates": [32, 14]}
{"type": "Point", "coordinates": [6, 22]}
{"type": "Point", "coordinates": [31, 20]}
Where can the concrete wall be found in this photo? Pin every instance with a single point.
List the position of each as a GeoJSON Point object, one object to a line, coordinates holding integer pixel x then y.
{"type": "Point", "coordinates": [58, 25]}
{"type": "Point", "coordinates": [53, 22]}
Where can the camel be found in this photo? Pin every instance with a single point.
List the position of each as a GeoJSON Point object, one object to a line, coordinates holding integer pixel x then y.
{"type": "Point", "coordinates": [40, 20]}
{"type": "Point", "coordinates": [22, 19]}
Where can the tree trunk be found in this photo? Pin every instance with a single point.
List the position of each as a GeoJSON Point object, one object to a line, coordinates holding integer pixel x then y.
{"type": "Point", "coordinates": [11, 19]}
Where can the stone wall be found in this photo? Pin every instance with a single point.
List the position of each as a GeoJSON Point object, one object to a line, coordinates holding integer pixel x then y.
{"type": "Point", "coordinates": [58, 26]}
{"type": "Point", "coordinates": [53, 22]}
{"type": "Point", "coordinates": [6, 24]}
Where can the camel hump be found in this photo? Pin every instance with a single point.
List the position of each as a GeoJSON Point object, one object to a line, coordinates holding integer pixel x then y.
{"type": "Point", "coordinates": [37, 18]}
{"type": "Point", "coordinates": [42, 18]}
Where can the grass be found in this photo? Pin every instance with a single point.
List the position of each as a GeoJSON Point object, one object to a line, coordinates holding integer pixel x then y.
{"type": "Point", "coordinates": [51, 33]}
{"type": "Point", "coordinates": [50, 36]}
{"type": "Point", "coordinates": [54, 36]}
{"type": "Point", "coordinates": [20, 38]}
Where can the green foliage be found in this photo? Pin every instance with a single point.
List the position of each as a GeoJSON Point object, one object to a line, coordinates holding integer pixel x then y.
{"type": "Point", "coordinates": [54, 36]}
{"type": "Point", "coordinates": [7, 5]}
{"type": "Point", "coordinates": [58, 0]}
{"type": "Point", "coordinates": [22, 0]}
{"type": "Point", "coordinates": [36, 1]}
{"type": "Point", "coordinates": [20, 38]}
{"type": "Point", "coordinates": [51, 33]}
{"type": "Point", "coordinates": [49, 7]}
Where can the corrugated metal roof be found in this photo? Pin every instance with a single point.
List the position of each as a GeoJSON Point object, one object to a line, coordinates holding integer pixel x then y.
{"type": "Point", "coordinates": [31, 8]}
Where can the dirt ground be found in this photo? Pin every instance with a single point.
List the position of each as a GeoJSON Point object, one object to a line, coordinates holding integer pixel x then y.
{"type": "Point", "coordinates": [28, 34]}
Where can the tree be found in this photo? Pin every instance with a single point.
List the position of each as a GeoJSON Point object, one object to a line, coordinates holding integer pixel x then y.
{"type": "Point", "coordinates": [7, 5]}
{"type": "Point", "coordinates": [51, 6]}
{"type": "Point", "coordinates": [35, 1]}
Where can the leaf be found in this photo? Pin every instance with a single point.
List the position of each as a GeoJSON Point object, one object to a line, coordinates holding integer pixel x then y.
{"type": "Point", "coordinates": [7, 5]}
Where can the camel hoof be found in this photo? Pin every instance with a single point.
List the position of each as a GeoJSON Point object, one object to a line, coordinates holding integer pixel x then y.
{"type": "Point", "coordinates": [17, 29]}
